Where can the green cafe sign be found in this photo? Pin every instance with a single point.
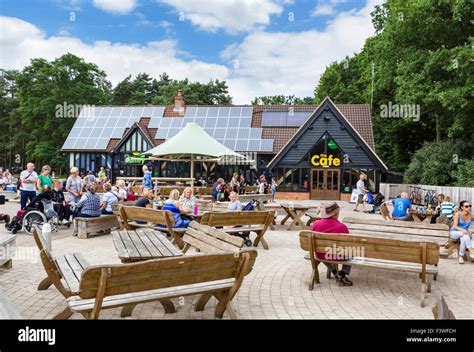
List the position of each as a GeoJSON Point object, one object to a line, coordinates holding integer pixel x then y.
{"type": "Point", "coordinates": [135, 158]}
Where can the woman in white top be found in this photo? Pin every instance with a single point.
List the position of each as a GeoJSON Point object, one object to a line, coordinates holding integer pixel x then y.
{"type": "Point", "coordinates": [110, 197]}
{"type": "Point", "coordinates": [74, 186]}
{"type": "Point", "coordinates": [122, 189]}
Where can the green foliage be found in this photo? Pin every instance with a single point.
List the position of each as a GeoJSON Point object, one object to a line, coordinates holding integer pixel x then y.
{"type": "Point", "coordinates": [282, 100]}
{"type": "Point", "coordinates": [434, 164]}
{"type": "Point", "coordinates": [421, 54]}
{"type": "Point", "coordinates": [45, 86]}
{"type": "Point", "coordinates": [465, 174]}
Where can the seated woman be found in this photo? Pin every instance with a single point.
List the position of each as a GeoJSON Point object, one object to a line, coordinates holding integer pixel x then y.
{"type": "Point", "coordinates": [110, 197]}
{"type": "Point", "coordinates": [146, 201]}
{"type": "Point", "coordinates": [89, 205]}
{"type": "Point", "coordinates": [173, 205]}
{"type": "Point", "coordinates": [234, 204]}
{"type": "Point", "coordinates": [329, 223]}
{"type": "Point", "coordinates": [61, 206]}
{"type": "Point", "coordinates": [188, 200]}
{"type": "Point", "coordinates": [460, 229]}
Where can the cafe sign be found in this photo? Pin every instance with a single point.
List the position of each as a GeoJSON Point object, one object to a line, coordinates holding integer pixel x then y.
{"type": "Point", "coordinates": [325, 160]}
{"type": "Point", "coordinates": [135, 158]}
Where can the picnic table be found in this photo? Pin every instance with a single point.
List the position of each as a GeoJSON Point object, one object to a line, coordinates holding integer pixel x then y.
{"type": "Point", "coordinates": [295, 211]}
{"type": "Point", "coordinates": [421, 216]}
{"type": "Point", "coordinates": [143, 244]}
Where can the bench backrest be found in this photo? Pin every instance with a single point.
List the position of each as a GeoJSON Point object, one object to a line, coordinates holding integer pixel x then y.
{"type": "Point", "coordinates": [370, 247]}
{"type": "Point", "coordinates": [159, 217]}
{"type": "Point", "coordinates": [237, 218]}
{"type": "Point", "coordinates": [210, 240]}
{"type": "Point", "coordinates": [369, 226]}
{"type": "Point", "coordinates": [109, 280]}
{"type": "Point", "coordinates": [49, 264]}
{"type": "Point", "coordinates": [250, 197]}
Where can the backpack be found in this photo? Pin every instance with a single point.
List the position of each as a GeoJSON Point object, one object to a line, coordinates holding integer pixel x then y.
{"type": "Point", "coordinates": [130, 196]}
{"type": "Point", "coordinates": [249, 207]}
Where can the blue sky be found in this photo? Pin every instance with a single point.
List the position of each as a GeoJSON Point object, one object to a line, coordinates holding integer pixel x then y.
{"type": "Point", "coordinates": [260, 47]}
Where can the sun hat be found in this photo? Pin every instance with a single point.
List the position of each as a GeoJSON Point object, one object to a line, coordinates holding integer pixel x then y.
{"type": "Point", "coordinates": [329, 209]}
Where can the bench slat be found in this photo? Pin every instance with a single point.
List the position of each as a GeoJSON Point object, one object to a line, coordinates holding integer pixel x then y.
{"type": "Point", "coordinates": [148, 240]}
{"type": "Point", "coordinates": [163, 244]}
{"type": "Point", "coordinates": [74, 265]}
{"type": "Point", "coordinates": [68, 274]}
{"type": "Point", "coordinates": [83, 305]}
{"type": "Point", "coordinates": [132, 251]}
{"type": "Point", "coordinates": [214, 242]}
{"type": "Point", "coordinates": [217, 234]}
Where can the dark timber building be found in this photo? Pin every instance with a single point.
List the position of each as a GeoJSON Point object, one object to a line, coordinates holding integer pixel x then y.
{"type": "Point", "coordinates": [313, 151]}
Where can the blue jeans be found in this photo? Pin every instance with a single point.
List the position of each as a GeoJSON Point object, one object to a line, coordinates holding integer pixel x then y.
{"type": "Point", "coordinates": [25, 197]}
{"type": "Point", "coordinates": [463, 238]}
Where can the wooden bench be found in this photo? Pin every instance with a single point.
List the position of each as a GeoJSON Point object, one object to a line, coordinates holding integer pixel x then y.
{"type": "Point", "coordinates": [7, 249]}
{"type": "Point", "coordinates": [374, 252]}
{"type": "Point", "coordinates": [64, 272]}
{"type": "Point", "coordinates": [241, 221]}
{"type": "Point", "coordinates": [244, 198]}
{"type": "Point", "coordinates": [7, 309]}
{"type": "Point", "coordinates": [206, 239]}
{"type": "Point", "coordinates": [402, 230]}
{"type": "Point", "coordinates": [161, 220]}
{"type": "Point", "coordinates": [116, 211]}
{"type": "Point", "coordinates": [127, 285]}
{"type": "Point", "coordinates": [441, 310]}
{"type": "Point", "coordinates": [88, 227]}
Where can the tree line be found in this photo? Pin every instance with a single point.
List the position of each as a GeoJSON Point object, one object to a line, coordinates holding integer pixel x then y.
{"type": "Point", "coordinates": [416, 72]}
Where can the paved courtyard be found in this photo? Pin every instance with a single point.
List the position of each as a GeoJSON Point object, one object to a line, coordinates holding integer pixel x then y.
{"type": "Point", "coordinates": [277, 288]}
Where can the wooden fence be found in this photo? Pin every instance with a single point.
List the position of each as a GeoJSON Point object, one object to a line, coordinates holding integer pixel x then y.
{"type": "Point", "coordinates": [456, 193]}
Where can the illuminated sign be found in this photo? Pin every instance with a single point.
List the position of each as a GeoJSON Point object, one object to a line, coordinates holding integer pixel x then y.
{"type": "Point", "coordinates": [325, 161]}
{"type": "Point", "coordinates": [135, 158]}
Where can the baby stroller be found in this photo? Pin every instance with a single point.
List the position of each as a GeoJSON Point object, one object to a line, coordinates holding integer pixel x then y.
{"type": "Point", "coordinates": [246, 235]}
{"type": "Point", "coordinates": [376, 201]}
{"type": "Point", "coordinates": [35, 213]}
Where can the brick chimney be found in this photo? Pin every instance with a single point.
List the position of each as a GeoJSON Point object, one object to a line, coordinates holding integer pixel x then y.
{"type": "Point", "coordinates": [179, 102]}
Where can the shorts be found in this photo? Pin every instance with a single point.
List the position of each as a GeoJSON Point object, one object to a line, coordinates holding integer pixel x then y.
{"type": "Point", "coordinates": [360, 199]}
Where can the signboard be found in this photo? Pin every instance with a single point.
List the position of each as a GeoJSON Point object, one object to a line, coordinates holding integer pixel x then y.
{"type": "Point", "coordinates": [135, 158]}
{"type": "Point", "coordinates": [325, 160]}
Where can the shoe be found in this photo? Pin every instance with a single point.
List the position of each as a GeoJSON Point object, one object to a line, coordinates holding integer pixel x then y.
{"type": "Point", "coordinates": [344, 281]}
{"type": "Point", "coordinates": [461, 260]}
{"type": "Point", "coordinates": [64, 222]}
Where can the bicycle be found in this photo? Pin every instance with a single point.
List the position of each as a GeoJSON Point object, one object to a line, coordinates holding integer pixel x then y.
{"type": "Point", "coordinates": [430, 197]}
{"type": "Point", "coordinates": [415, 196]}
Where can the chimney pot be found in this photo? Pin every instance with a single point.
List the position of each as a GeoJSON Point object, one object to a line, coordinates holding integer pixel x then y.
{"type": "Point", "coordinates": [179, 101]}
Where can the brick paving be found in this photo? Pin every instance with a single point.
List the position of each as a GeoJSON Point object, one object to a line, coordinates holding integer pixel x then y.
{"type": "Point", "coordinates": [277, 288]}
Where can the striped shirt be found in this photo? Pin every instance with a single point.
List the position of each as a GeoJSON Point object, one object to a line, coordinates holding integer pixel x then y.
{"type": "Point", "coordinates": [90, 204]}
{"type": "Point", "coordinates": [447, 209]}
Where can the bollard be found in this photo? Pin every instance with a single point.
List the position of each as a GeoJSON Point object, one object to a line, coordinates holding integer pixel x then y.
{"type": "Point", "coordinates": [46, 233]}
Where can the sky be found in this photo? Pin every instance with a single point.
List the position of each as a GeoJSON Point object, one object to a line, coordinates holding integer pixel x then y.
{"type": "Point", "coordinates": [259, 47]}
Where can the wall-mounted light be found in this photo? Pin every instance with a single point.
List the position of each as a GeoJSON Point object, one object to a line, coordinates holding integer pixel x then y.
{"type": "Point", "coordinates": [327, 118]}
{"type": "Point", "coordinates": [310, 127]}
{"type": "Point", "coordinates": [295, 146]}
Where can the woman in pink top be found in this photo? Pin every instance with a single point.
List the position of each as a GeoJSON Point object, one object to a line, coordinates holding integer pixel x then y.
{"type": "Point", "coordinates": [329, 223]}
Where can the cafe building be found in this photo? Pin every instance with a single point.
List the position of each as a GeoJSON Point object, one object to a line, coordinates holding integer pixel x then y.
{"type": "Point", "coordinates": [313, 151]}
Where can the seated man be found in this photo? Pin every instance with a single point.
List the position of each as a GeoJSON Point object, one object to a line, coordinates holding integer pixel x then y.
{"type": "Point", "coordinates": [400, 207]}
{"type": "Point", "coordinates": [329, 223]}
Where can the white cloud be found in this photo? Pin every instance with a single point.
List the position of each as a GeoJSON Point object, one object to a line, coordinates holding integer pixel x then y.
{"type": "Point", "coordinates": [119, 7]}
{"type": "Point", "coordinates": [262, 64]}
{"type": "Point", "coordinates": [326, 7]}
{"type": "Point", "coordinates": [232, 16]}
{"type": "Point", "coordinates": [21, 41]}
{"type": "Point", "coordinates": [292, 63]}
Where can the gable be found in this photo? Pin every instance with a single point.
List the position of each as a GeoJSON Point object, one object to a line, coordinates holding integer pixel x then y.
{"type": "Point", "coordinates": [326, 119]}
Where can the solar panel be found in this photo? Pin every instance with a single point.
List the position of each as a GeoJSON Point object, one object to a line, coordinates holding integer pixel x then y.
{"type": "Point", "coordinates": [111, 122]}
{"type": "Point", "coordinates": [235, 112]}
{"type": "Point", "coordinates": [231, 133]}
{"type": "Point", "coordinates": [161, 133]}
{"type": "Point", "coordinates": [244, 133]}
{"type": "Point", "coordinates": [107, 132]}
{"type": "Point", "coordinates": [255, 133]}
{"type": "Point", "coordinates": [75, 132]}
{"type": "Point", "coordinates": [210, 122]}
{"type": "Point", "coordinates": [80, 122]}
{"type": "Point", "coordinates": [245, 122]}
{"type": "Point", "coordinates": [213, 112]}
{"type": "Point", "coordinates": [116, 111]}
{"type": "Point", "coordinates": [176, 122]}
{"type": "Point", "coordinates": [85, 132]}
{"type": "Point", "coordinates": [126, 112]}
{"type": "Point", "coordinates": [137, 112]}
{"type": "Point", "coordinates": [118, 132]}
{"type": "Point", "coordinates": [247, 111]}
{"type": "Point", "coordinates": [254, 145]}
{"type": "Point", "coordinates": [158, 111]}
{"type": "Point", "coordinates": [222, 122]}
{"type": "Point", "coordinates": [81, 143]}
{"type": "Point", "coordinates": [266, 145]}
{"type": "Point", "coordinates": [190, 112]}
{"type": "Point", "coordinates": [297, 118]}
{"type": "Point", "coordinates": [290, 118]}
{"type": "Point", "coordinates": [165, 123]}
{"type": "Point", "coordinates": [102, 143]}
{"type": "Point", "coordinates": [224, 112]}
{"type": "Point", "coordinates": [147, 111]}
{"type": "Point", "coordinates": [230, 143]}
{"type": "Point", "coordinates": [200, 121]}
{"type": "Point", "coordinates": [95, 133]}
{"type": "Point", "coordinates": [241, 145]}
{"type": "Point", "coordinates": [69, 143]}
{"type": "Point", "coordinates": [201, 112]}
{"type": "Point", "coordinates": [172, 132]}
{"type": "Point", "coordinates": [234, 122]}
{"type": "Point", "coordinates": [219, 133]}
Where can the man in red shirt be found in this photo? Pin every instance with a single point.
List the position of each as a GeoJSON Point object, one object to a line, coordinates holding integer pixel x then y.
{"type": "Point", "coordinates": [329, 223]}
